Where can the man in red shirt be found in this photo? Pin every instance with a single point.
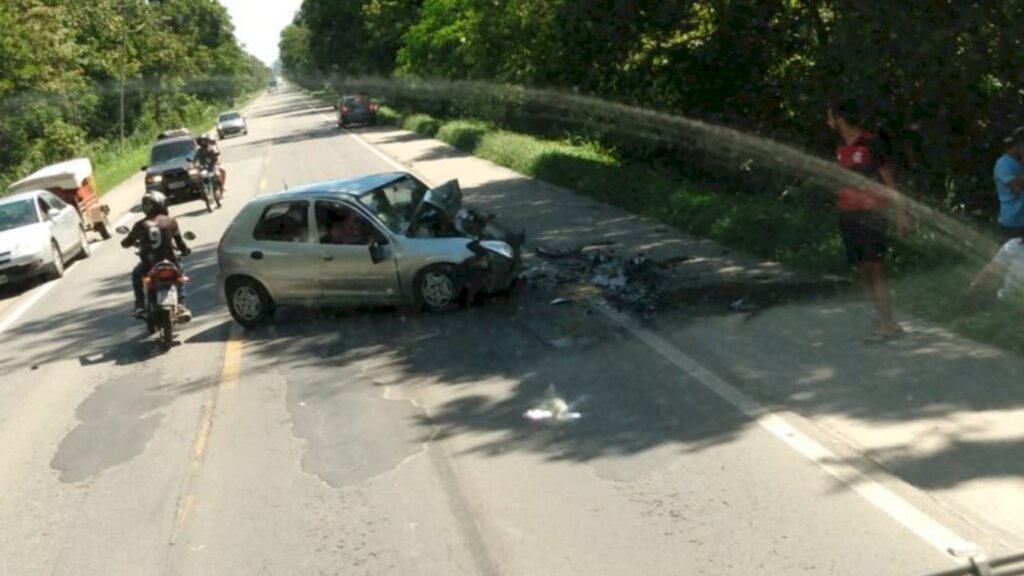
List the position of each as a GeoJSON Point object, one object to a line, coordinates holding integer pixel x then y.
{"type": "Point", "coordinates": [863, 222]}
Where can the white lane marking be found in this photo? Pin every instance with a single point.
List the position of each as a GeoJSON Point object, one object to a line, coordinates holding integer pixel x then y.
{"type": "Point", "coordinates": [926, 528]}
{"type": "Point", "coordinates": [391, 161]}
{"type": "Point", "coordinates": [24, 307]}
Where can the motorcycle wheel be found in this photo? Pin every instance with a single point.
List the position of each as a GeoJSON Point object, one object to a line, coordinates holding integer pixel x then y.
{"type": "Point", "coordinates": [217, 194]}
{"type": "Point", "coordinates": [206, 198]}
{"type": "Point", "coordinates": [166, 330]}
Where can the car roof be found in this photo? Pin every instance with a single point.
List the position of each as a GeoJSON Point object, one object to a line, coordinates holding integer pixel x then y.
{"type": "Point", "coordinates": [174, 139]}
{"type": "Point", "coordinates": [11, 198]}
{"type": "Point", "coordinates": [344, 187]}
{"type": "Point", "coordinates": [230, 112]}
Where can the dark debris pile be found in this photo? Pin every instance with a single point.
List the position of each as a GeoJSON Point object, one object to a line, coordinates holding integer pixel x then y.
{"type": "Point", "coordinates": [633, 283]}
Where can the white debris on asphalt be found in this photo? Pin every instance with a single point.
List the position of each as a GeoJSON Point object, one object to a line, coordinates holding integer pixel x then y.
{"type": "Point", "coordinates": [554, 407]}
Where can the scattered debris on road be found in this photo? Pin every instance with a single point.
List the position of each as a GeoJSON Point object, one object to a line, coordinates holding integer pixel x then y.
{"type": "Point", "coordinates": [632, 283]}
{"type": "Point", "coordinates": [555, 408]}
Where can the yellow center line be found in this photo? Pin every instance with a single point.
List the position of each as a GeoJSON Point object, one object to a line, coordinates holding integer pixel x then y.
{"type": "Point", "coordinates": [230, 375]}
{"type": "Point", "coordinates": [232, 359]}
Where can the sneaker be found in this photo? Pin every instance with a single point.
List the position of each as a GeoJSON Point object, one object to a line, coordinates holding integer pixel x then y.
{"type": "Point", "coordinates": [184, 315]}
{"type": "Point", "coordinates": [139, 312]}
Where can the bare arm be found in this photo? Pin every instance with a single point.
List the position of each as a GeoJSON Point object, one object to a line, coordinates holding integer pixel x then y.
{"type": "Point", "coordinates": [987, 274]}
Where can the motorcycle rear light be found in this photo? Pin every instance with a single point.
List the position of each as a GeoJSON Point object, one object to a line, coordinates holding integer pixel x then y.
{"type": "Point", "coordinates": [166, 274]}
{"type": "Point", "coordinates": [373, 107]}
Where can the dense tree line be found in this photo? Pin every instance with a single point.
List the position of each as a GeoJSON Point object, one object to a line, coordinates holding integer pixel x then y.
{"type": "Point", "coordinates": [66, 65]}
{"type": "Point", "coordinates": [943, 78]}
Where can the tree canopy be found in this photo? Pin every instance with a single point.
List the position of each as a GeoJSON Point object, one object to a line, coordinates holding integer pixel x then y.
{"type": "Point", "coordinates": [943, 78]}
{"type": "Point", "coordinates": [65, 63]}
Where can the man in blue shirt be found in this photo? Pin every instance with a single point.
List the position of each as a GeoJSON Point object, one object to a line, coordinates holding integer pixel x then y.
{"type": "Point", "coordinates": [1009, 177]}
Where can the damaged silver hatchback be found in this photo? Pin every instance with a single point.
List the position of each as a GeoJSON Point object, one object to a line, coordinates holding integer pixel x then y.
{"type": "Point", "coordinates": [382, 239]}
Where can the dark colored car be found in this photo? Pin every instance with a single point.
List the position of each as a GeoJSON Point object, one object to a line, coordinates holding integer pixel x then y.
{"type": "Point", "coordinates": [172, 169]}
{"type": "Point", "coordinates": [356, 110]}
{"type": "Point", "coordinates": [173, 133]}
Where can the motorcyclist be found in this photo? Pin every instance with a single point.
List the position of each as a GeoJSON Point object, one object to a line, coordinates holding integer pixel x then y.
{"type": "Point", "coordinates": [156, 236]}
{"type": "Point", "coordinates": [208, 156]}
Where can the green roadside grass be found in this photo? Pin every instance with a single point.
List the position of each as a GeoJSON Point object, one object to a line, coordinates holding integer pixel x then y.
{"type": "Point", "coordinates": [113, 166]}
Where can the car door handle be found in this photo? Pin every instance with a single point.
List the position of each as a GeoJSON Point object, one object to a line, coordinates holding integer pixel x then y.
{"type": "Point", "coordinates": [256, 255]}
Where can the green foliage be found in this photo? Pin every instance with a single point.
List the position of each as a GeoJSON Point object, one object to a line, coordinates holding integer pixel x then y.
{"type": "Point", "coordinates": [66, 65]}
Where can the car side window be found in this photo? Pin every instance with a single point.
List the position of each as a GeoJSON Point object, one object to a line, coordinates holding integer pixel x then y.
{"type": "Point", "coordinates": [44, 208]}
{"type": "Point", "coordinates": [284, 222]}
{"type": "Point", "coordinates": [342, 225]}
{"type": "Point", "coordinates": [55, 202]}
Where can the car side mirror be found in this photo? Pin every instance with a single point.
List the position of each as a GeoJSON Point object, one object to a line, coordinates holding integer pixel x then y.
{"type": "Point", "coordinates": [189, 236]}
{"type": "Point", "coordinates": [378, 251]}
{"type": "Point", "coordinates": [122, 229]}
{"type": "Point", "coordinates": [53, 213]}
{"type": "Point", "coordinates": [143, 169]}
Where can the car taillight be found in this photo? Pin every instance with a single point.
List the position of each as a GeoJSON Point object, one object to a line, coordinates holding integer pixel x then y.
{"type": "Point", "coordinates": [373, 107]}
{"type": "Point", "coordinates": [345, 109]}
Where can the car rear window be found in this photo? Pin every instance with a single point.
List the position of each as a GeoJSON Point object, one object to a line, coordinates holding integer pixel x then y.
{"type": "Point", "coordinates": [232, 116]}
{"type": "Point", "coordinates": [283, 222]}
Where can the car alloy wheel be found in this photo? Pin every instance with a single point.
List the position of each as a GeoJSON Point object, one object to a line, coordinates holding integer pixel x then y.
{"type": "Point", "coordinates": [437, 289]}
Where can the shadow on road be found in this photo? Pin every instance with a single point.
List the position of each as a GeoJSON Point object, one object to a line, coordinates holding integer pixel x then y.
{"type": "Point", "coordinates": [98, 328]}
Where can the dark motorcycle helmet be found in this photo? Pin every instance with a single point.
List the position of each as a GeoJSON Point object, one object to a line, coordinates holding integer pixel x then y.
{"type": "Point", "coordinates": [154, 203]}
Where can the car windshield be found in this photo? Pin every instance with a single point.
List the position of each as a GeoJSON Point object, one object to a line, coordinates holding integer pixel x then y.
{"type": "Point", "coordinates": [17, 214]}
{"type": "Point", "coordinates": [171, 150]}
{"type": "Point", "coordinates": [229, 117]}
{"type": "Point", "coordinates": [395, 202]}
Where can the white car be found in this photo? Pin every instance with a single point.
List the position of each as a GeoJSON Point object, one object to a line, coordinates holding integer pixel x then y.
{"type": "Point", "coordinates": [39, 233]}
{"type": "Point", "coordinates": [231, 123]}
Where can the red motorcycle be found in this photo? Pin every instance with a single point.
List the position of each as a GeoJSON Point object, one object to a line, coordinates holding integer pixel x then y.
{"type": "Point", "coordinates": [161, 305]}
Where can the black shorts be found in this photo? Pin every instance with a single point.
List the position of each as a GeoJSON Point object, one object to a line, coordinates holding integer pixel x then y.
{"type": "Point", "coordinates": [865, 235]}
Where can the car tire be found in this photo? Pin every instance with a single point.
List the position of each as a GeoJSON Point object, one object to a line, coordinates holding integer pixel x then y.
{"type": "Point", "coordinates": [249, 303]}
{"type": "Point", "coordinates": [438, 289]}
{"type": "Point", "coordinates": [84, 250]}
{"type": "Point", "coordinates": [166, 326]}
{"type": "Point", "coordinates": [220, 135]}
{"type": "Point", "coordinates": [57, 266]}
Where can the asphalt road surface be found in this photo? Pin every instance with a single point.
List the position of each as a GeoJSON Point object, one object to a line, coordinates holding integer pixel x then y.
{"type": "Point", "coordinates": [387, 441]}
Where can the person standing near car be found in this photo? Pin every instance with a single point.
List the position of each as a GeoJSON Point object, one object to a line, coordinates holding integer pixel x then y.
{"type": "Point", "coordinates": [1008, 174]}
{"type": "Point", "coordinates": [863, 222]}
